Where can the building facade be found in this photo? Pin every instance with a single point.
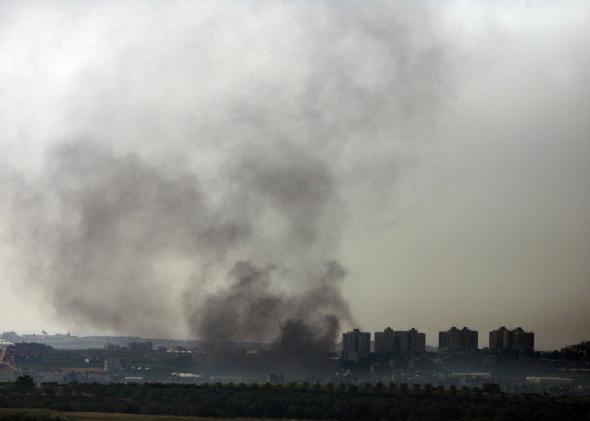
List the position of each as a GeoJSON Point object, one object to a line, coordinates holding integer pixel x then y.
{"type": "Point", "coordinates": [458, 340]}
{"type": "Point", "coordinates": [500, 339]}
{"type": "Point", "coordinates": [400, 342]}
{"type": "Point", "coordinates": [503, 339]}
{"type": "Point", "coordinates": [523, 341]}
{"type": "Point", "coordinates": [356, 345]}
{"type": "Point", "coordinates": [384, 342]}
{"type": "Point", "coordinates": [417, 342]}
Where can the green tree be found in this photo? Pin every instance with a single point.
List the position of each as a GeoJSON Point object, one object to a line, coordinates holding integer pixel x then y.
{"type": "Point", "coordinates": [379, 387]}
{"type": "Point", "coordinates": [403, 388]}
{"type": "Point", "coordinates": [24, 384]}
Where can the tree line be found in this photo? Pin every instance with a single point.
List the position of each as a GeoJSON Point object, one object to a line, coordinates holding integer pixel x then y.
{"type": "Point", "coordinates": [294, 401]}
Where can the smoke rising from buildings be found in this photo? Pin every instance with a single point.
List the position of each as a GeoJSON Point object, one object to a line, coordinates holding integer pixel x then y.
{"type": "Point", "coordinates": [199, 182]}
{"type": "Point", "coordinates": [152, 154]}
{"type": "Point", "coordinates": [243, 309]}
{"type": "Point", "coordinates": [100, 230]}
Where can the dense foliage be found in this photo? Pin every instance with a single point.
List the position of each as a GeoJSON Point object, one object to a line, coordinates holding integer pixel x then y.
{"type": "Point", "coordinates": [301, 401]}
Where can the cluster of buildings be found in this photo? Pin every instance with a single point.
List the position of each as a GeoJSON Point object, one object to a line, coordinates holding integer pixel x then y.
{"type": "Point", "coordinates": [401, 342]}
{"type": "Point", "coordinates": [512, 340]}
{"type": "Point", "coordinates": [356, 345]}
{"type": "Point", "coordinates": [457, 340]}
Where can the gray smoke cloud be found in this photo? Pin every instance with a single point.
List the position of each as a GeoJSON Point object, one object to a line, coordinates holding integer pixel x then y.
{"type": "Point", "coordinates": [93, 226]}
{"type": "Point", "coordinates": [427, 146]}
{"type": "Point", "coordinates": [200, 188]}
{"type": "Point", "coordinates": [244, 308]}
{"type": "Point", "coordinates": [96, 226]}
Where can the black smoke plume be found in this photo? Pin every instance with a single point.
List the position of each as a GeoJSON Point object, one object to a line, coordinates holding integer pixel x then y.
{"type": "Point", "coordinates": [301, 326]}
{"type": "Point", "coordinates": [206, 196]}
{"type": "Point", "coordinates": [100, 230]}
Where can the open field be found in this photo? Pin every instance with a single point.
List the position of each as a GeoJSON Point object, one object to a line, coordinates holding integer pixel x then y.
{"type": "Point", "coordinates": [43, 414]}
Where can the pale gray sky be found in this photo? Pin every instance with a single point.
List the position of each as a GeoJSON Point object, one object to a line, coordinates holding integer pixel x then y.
{"type": "Point", "coordinates": [450, 142]}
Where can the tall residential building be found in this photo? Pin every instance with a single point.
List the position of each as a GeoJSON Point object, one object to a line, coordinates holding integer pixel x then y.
{"type": "Point", "coordinates": [401, 342]}
{"type": "Point", "coordinates": [356, 345]}
{"type": "Point", "coordinates": [500, 339]}
{"type": "Point", "coordinates": [454, 340]}
{"type": "Point", "coordinates": [384, 342]}
{"type": "Point", "coordinates": [523, 341]}
{"type": "Point", "coordinates": [508, 340]}
{"type": "Point", "coordinates": [417, 342]}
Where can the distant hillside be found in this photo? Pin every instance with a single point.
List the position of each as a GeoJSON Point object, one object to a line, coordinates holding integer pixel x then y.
{"type": "Point", "coordinates": [71, 342]}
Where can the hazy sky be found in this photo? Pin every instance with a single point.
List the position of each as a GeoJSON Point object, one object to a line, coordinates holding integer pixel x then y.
{"type": "Point", "coordinates": [447, 142]}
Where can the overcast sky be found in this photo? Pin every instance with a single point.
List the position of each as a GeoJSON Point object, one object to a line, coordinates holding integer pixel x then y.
{"type": "Point", "coordinates": [451, 142]}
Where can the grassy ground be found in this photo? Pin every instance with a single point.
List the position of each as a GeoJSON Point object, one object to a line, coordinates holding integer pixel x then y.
{"type": "Point", "coordinates": [43, 414]}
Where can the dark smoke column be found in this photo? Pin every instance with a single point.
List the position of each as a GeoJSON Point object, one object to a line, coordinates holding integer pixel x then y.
{"type": "Point", "coordinates": [99, 229]}
{"type": "Point", "coordinates": [294, 301]}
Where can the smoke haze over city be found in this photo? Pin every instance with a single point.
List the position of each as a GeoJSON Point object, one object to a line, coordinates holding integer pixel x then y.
{"type": "Point", "coordinates": [246, 171]}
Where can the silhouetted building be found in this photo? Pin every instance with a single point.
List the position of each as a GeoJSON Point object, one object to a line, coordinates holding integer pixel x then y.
{"type": "Point", "coordinates": [356, 345]}
{"type": "Point", "coordinates": [508, 340]}
{"type": "Point", "coordinates": [454, 340]}
{"type": "Point", "coordinates": [523, 341]}
{"type": "Point", "coordinates": [417, 342]}
{"type": "Point", "coordinates": [444, 339]}
{"type": "Point", "coordinates": [384, 342]}
{"type": "Point", "coordinates": [470, 338]}
{"type": "Point", "coordinates": [581, 350]}
{"type": "Point", "coordinates": [500, 339]}
{"type": "Point", "coordinates": [401, 342]}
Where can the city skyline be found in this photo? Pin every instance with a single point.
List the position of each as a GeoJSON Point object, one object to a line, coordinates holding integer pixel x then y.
{"type": "Point", "coordinates": [283, 209]}
{"type": "Point", "coordinates": [453, 339]}
{"type": "Point", "coordinates": [380, 343]}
